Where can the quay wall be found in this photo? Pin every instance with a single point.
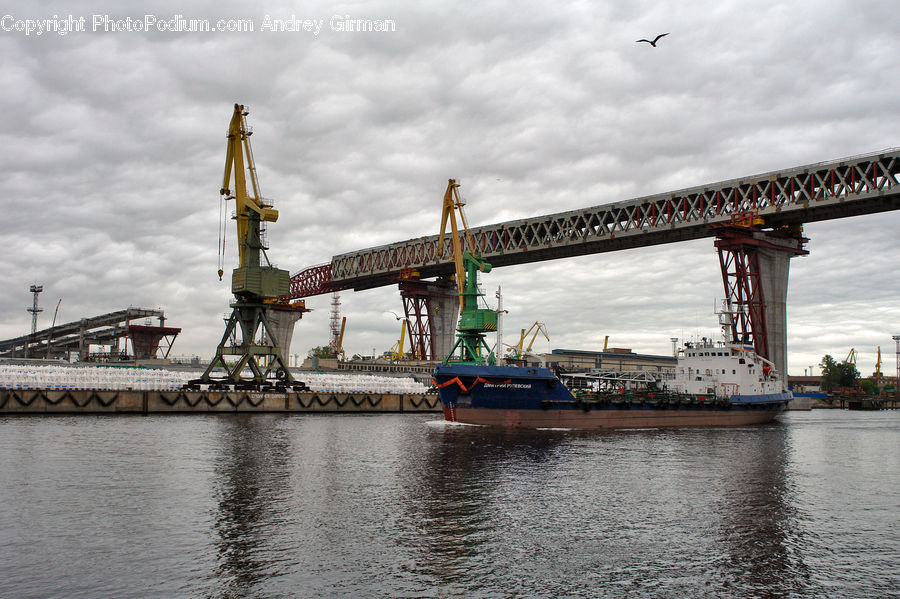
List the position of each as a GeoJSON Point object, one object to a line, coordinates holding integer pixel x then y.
{"type": "Point", "coordinates": [78, 401]}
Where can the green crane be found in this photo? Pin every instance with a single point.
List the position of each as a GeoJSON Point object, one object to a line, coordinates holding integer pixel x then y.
{"type": "Point", "coordinates": [474, 322]}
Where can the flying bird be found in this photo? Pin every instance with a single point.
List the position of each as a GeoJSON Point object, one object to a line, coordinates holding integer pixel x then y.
{"type": "Point", "coordinates": [656, 39]}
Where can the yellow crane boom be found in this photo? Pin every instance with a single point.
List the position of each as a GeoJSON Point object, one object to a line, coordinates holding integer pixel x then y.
{"type": "Point", "coordinates": [878, 372]}
{"type": "Point", "coordinates": [339, 350]}
{"type": "Point", "coordinates": [519, 349]}
{"type": "Point", "coordinates": [538, 327]}
{"type": "Point", "coordinates": [453, 204]}
{"type": "Point", "coordinates": [396, 351]}
{"type": "Point", "coordinates": [238, 151]}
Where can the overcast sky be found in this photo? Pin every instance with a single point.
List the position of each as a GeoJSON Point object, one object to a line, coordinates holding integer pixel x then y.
{"type": "Point", "coordinates": [114, 143]}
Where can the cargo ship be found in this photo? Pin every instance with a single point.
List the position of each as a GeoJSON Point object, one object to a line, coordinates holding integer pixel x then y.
{"type": "Point", "coordinates": [714, 384]}
{"type": "Point", "coordinates": [723, 383]}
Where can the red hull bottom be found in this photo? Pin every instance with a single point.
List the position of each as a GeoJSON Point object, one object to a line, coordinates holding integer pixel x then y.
{"type": "Point", "coordinates": [600, 419]}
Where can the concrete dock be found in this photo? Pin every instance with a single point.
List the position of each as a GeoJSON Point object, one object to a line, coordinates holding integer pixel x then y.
{"type": "Point", "coordinates": [46, 401]}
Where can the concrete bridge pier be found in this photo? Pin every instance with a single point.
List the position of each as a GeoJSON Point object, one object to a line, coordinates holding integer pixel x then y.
{"type": "Point", "coordinates": [282, 319]}
{"type": "Point", "coordinates": [774, 268]}
{"type": "Point", "coordinates": [755, 266]}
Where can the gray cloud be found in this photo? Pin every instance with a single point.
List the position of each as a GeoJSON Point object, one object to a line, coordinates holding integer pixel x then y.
{"type": "Point", "coordinates": [114, 152]}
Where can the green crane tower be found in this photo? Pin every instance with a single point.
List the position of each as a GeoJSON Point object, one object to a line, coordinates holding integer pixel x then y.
{"type": "Point", "coordinates": [474, 322]}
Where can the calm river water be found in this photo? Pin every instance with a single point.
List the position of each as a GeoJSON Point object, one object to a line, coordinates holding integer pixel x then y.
{"type": "Point", "coordinates": [405, 506]}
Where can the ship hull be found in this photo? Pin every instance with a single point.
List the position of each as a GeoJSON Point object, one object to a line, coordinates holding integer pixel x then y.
{"type": "Point", "coordinates": [610, 419]}
{"type": "Point", "coordinates": [516, 397]}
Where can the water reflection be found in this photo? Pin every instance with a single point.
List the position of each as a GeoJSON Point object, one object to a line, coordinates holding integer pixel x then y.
{"type": "Point", "coordinates": [643, 513]}
{"type": "Point", "coordinates": [389, 506]}
{"type": "Point", "coordinates": [758, 523]}
{"type": "Point", "coordinates": [450, 493]}
{"type": "Point", "coordinates": [250, 471]}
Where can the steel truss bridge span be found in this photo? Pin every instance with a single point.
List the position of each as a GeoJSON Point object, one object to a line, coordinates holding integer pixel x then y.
{"type": "Point", "coordinates": [864, 184]}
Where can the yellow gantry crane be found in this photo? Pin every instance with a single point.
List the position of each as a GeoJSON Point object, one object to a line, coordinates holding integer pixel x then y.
{"type": "Point", "coordinates": [249, 341]}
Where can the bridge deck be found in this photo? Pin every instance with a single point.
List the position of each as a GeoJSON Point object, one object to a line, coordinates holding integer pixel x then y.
{"type": "Point", "coordinates": [852, 186]}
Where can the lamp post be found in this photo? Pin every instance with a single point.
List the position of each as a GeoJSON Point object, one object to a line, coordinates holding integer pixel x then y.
{"type": "Point", "coordinates": [35, 290]}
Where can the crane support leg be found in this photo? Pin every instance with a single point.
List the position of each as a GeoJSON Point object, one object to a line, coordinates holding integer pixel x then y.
{"type": "Point", "coordinates": [249, 343]}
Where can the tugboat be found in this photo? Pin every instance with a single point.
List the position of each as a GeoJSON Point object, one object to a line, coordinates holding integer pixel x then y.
{"type": "Point", "coordinates": [715, 383]}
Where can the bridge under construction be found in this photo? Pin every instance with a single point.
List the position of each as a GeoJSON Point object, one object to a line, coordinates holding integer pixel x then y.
{"type": "Point", "coordinates": [756, 222]}
{"type": "Point", "coordinates": [115, 329]}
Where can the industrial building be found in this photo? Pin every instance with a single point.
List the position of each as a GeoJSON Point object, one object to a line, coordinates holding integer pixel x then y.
{"type": "Point", "coordinates": [618, 359]}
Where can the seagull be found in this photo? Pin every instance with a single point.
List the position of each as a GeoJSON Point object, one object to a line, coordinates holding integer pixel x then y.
{"type": "Point", "coordinates": [656, 39]}
{"type": "Point", "coordinates": [394, 313]}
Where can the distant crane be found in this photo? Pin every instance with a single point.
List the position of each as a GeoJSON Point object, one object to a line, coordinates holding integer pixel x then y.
{"type": "Point", "coordinates": [396, 351]}
{"type": "Point", "coordinates": [49, 334]}
{"type": "Point", "coordinates": [335, 348]}
{"type": "Point", "coordinates": [851, 357]}
{"type": "Point", "coordinates": [516, 351]}
{"type": "Point", "coordinates": [878, 374]}
{"type": "Point", "coordinates": [337, 330]}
